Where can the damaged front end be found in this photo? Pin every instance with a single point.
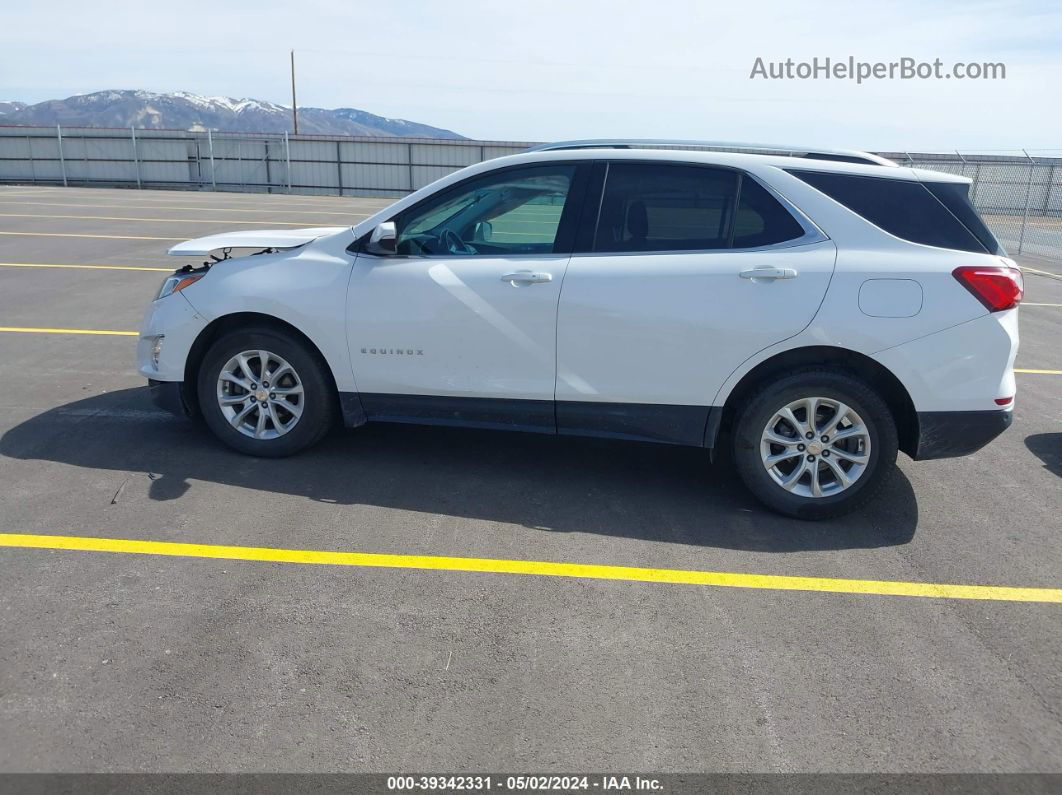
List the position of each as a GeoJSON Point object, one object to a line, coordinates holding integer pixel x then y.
{"type": "Point", "coordinates": [220, 247]}
{"type": "Point", "coordinates": [256, 241]}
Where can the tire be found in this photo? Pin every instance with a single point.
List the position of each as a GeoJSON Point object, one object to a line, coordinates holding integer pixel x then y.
{"type": "Point", "coordinates": [308, 414]}
{"type": "Point", "coordinates": [765, 477]}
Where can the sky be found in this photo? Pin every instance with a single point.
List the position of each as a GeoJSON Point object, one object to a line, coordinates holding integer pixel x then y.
{"type": "Point", "coordinates": [551, 70]}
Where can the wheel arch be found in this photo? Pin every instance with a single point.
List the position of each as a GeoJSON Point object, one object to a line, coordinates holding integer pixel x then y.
{"type": "Point", "coordinates": [234, 322]}
{"type": "Point", "coordinates": [850, 362]}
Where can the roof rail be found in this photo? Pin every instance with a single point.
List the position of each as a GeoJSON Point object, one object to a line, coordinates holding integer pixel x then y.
{"type": "Point", "coordinates": [812, 152]}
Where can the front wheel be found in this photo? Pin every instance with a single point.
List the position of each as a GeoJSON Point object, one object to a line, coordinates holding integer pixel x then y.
{"type": "Point", "coordinates": [815, 445]}
{"type": "Point", "coordinates": [264, 393]}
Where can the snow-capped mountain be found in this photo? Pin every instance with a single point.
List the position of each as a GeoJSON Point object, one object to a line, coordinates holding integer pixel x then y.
{"type": "Point", "coordinates": [182, 110]}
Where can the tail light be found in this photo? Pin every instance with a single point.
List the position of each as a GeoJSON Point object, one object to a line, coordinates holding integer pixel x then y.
{"type": "Point", "coordinates": [998, 288]}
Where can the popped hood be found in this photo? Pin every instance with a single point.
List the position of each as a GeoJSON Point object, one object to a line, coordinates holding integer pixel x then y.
{"type": "Point", "coordinates": [255, 238]}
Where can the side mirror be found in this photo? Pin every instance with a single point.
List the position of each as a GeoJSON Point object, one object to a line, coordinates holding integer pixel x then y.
{"type": "Point", "coordinates": [383, 240]}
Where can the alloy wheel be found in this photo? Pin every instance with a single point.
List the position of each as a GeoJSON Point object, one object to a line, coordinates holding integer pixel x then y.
{"type": "Point", "coordinates": [260, 394]}
{"type": "Point", "coordinates": [815, 447]}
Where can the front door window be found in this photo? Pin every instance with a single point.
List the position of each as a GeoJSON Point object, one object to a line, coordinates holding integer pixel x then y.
{"type": "Point", "coordinates": [515, 211]}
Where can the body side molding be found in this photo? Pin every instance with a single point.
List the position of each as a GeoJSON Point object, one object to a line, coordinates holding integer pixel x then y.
{"type": "Point", "coordinates": [693, 426]}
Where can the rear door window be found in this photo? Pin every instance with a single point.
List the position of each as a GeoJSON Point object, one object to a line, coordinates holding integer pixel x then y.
{"type": "Point", "coordinates": [761, 219]}
{"type": "Point", "coordinates": [669, 207]}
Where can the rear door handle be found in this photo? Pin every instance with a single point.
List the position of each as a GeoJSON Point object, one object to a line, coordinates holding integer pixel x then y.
{"type": "Point", "coordinates": [769, 273]}
{"type": "Point", "coordinates": [527, 277]}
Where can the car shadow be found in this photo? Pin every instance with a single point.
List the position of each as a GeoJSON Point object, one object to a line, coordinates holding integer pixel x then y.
{"type": "Point", "coordinates": [1048, 448]}
{"type": "Point", "coordinates": [555, 484]}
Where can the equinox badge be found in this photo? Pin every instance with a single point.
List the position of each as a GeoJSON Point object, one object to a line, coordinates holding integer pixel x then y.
{"type": "Point", "coordinates": [393, 351]}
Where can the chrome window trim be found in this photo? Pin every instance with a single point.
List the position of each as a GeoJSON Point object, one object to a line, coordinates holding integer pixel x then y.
{"type": "Point", "coordinates": [794, 243]}
{"type": "Point", "coordinates": [812, 233]}
{"type": "Point", "coordinates": [470, 257]}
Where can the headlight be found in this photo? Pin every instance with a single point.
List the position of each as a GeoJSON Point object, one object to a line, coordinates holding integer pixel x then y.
{"type": "Point", "coordinates": [177, 282]}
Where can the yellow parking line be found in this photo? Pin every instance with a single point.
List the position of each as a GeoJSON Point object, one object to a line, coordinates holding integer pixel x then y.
{"type": "Point", "coordinates": [1049, 274]}
{"type": "Point", "coordinates": [538, 568]}
{"type": "Point", "coordinates": [162, 220]}
{"type": "Point", "coordinates": [134, 333]}
{"type": "Point", "coordinates": [68, 331]}
{"type": "Point", "coordinates": [90, 267]}
{"type": "Point", "coordinates": [199, 208]}
{"type": "Point", "coordinates": [208, 199]}
{"type": "Point", "coordinates": [71, 234]}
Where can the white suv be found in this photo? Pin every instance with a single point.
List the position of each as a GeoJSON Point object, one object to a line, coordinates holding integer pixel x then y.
{"type": "Point", "coordinates": [817, 311]}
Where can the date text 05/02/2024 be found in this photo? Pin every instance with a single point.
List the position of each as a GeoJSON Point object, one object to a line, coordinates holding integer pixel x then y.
{"type": "Point", "coordinates": [520, 783]}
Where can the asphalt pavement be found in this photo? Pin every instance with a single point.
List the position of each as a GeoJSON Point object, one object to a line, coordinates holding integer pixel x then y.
{"type": "Point", "coordinates": [112, 661]}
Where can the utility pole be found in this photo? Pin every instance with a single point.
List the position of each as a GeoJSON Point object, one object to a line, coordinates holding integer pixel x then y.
{"type": "Point", "coordinates": [294, 107]}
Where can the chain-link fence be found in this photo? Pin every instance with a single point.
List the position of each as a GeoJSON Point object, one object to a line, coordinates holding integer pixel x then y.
{"type": "Point", "coordinates": [1018, 193]}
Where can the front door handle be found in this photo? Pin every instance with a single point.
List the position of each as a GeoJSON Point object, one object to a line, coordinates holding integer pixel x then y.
{"type": "Point", "coordinates": [527, 277]}
{"type": "Point", "coordinates": [769, 273]}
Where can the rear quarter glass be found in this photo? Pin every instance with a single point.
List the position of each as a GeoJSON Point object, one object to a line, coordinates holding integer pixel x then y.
{"type": "Point", "coordinates": [956, 197]}
{"type": "Point", "coordinates": [906, 209]}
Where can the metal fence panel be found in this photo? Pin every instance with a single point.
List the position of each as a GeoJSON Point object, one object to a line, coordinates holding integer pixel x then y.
{"type": "Point", "coordinates": [16, 148]}
{"type": "Point", "coordinates": [164, 150]}
{"type": "Point", "coordinates": [362, 152]}
{"type": "Point", "coordinates": [375, 177]}
{"type": "Point", "coordinates": [44, 148]}
{"type": "Point", "coordinates": [313, 174]}
{"type": "Point", "coordinates": [443, 155]}
{"type": "Point", "coordinates": [1019, 193]}
{"type": "Point", "coordinates": [173, 172]}
{"type": "Point", "coordinates": [425, 175]}
{"type": "Point", "coordinates": [20, 170]}
{"type": "Point", "coordinates": [491, 152]}
{"type": "Point", "coordinates": [317, 151]}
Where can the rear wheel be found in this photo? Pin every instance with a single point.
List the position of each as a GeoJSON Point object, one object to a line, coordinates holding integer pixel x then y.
{"type": "Point", "coordinates": [815, 445]}
{"type": "Point", "coordinates": [264, 393]}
